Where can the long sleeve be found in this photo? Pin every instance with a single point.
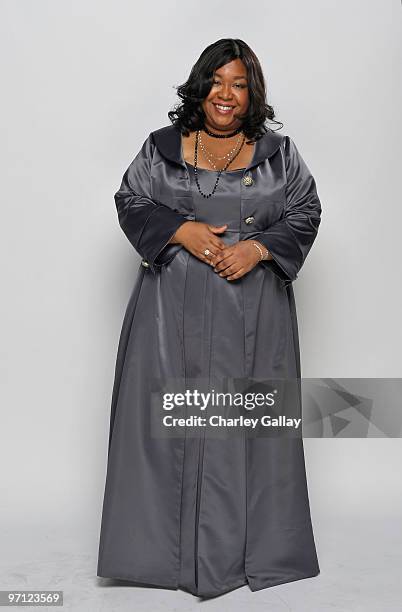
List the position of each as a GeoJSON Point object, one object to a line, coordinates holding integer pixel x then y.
{"type": "Point", "coordinates": [290, 239]}
{"type": "Point", "coordinates": [148, 224]}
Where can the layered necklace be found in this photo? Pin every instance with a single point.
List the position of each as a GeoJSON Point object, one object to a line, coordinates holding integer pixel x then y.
{"type": "Point", "coordinates": [229, 157]}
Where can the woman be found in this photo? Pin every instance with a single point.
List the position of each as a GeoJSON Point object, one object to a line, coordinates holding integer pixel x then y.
{"type": "Point", "coordinates": [223, 212]}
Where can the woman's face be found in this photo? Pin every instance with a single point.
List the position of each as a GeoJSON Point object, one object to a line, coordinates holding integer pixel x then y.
{"type": "Point", "coordinates": [230, 89]}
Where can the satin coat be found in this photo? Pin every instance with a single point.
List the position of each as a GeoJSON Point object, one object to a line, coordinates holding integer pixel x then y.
{"type": "Point", "coordinates": [140, 531]}
{"type": "Point", "coordinates": [280, 205]}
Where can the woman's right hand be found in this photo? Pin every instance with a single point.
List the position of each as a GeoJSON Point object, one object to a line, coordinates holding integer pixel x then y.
{"type": "Point", "coordinates": [197, 236]}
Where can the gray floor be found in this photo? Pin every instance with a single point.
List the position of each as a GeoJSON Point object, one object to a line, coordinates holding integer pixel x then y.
{"type": "Point", "coordinates": [361, 569]}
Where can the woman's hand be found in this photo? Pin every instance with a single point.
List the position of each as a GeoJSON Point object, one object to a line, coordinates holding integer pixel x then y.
{"type": "Point", "coordinates": [197, 236]}
{"type": "Point", "coordinates": [238, 259]}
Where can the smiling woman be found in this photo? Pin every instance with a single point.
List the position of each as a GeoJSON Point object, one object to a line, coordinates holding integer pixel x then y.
{"type": "Point", "coordinates": [223, 212]}
{"type": "Point", "coordinates": [224, 107]}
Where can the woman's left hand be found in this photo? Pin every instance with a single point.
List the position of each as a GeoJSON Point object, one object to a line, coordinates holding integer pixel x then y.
{"type": "Point", "coordinates": [236, 260]}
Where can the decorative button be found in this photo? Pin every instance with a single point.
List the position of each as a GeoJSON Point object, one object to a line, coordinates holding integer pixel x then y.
{"type": "Point", "coordinates": [249, 220]}
{"type": "Point", "coordinates": [145, 263]}
{"type": "Point", "coordinates": [247, 180]}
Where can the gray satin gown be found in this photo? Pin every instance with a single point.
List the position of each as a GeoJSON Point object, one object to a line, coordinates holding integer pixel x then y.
{"type": "Point", "coordinates": [205, 515]}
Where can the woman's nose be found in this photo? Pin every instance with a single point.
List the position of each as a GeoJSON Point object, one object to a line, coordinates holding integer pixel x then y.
{"type": "Point", "coordinates": [225, 92]}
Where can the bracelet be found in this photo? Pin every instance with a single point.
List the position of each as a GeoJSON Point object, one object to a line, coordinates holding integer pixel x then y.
{"type": "Point", "coordinates": [262, 255]}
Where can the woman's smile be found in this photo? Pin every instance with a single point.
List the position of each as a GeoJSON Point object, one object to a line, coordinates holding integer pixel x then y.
{"type": "Point", "coordinates": [223, 109]}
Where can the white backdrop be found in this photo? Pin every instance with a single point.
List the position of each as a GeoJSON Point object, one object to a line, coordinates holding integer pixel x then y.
{"type": "Point", "coordinates": [83, 84]}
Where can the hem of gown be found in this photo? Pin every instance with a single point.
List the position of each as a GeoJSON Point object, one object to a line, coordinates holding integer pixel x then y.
{"type": "Point", "coordinates": [223, 591]}
{"type": "Point", "coordinates": [152, 582]}
{"type": "Point", "coordinates": [255, 585]}
{"type": "Point", "coordinates": [155, 582]}
{"type": "Point", "coordinates": [252, 584]}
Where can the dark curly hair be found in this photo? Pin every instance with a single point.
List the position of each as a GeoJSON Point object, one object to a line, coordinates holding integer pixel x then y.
{"type": "Point", "coordinates": [189, 114]}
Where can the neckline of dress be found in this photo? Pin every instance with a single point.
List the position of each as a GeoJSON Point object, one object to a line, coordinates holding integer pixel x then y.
{"type": "Point", "coordinates": [206, 169]}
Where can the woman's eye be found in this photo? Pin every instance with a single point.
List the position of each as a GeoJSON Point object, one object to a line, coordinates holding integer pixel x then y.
{"type": "Point", "coordinates": [238, 85]}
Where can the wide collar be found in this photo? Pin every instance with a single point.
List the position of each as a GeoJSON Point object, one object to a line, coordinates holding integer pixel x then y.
{"type": "Point", "coordinates": [168, 141]}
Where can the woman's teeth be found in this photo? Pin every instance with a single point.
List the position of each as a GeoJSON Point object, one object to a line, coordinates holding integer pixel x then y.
{"type": "Point", "coordinates": [223, 109]}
